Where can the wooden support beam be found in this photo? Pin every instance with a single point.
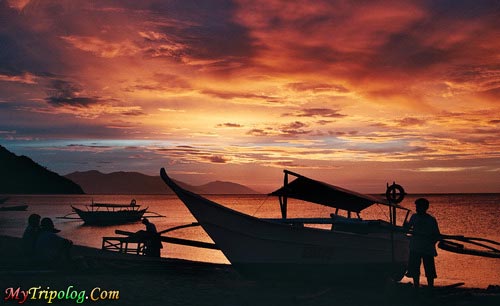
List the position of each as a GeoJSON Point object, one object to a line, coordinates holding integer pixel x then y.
{"type": "Point", "coordinates": [193, 243]}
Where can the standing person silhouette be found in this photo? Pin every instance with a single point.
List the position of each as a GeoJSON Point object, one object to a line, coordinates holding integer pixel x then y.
{"type": "Point", "coordinates": [425, 234]}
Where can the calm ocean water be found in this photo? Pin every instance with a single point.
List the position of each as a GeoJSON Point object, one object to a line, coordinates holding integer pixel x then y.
{"type": "Point", "coordinates": [476, 215]}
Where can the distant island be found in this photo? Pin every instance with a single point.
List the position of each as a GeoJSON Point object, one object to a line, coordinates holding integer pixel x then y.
{"type": "Point", "coordinates": [95, 182]}
{"type": "Point", "coordinates": [21, 175]}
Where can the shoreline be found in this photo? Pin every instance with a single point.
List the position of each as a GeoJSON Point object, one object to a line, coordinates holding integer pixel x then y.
{"type": "Point", "coordinates": [141, 280]}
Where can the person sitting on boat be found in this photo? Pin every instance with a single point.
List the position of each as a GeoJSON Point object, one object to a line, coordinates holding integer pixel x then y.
{"type": "Point", "coordinates": [31, 234]}
{"type": "Point", "coordinates": [425, 234]}
{"type": "Point", "coordinates": [153, 242]}
{"type": "Point", "coordinates": [50, 247]}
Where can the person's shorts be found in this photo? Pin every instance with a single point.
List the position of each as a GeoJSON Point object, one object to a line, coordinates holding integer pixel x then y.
{"type": "Point", "coordinates": [414, 265]}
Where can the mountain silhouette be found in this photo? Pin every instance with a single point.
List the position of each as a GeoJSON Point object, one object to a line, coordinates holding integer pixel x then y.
{"type": "Point", "coordinates": [21, 175]}
{"type": "Point", "coordinates": [95, 182]}
{"type": "Point", "coordinates": [220, 187]}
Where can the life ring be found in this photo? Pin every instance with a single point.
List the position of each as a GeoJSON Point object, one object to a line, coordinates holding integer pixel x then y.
{"type": "Point", "coordinates": [133, 202]}
{"type": "Point", "coordinates": [395, 193]}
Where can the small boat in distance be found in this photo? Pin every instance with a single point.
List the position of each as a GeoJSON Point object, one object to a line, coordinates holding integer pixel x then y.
{"type": "Point", "coordinates": [109, 214]}
{"type": "Point", "coordinates": [350, 248]}
{"type": "Point", "coordinates": [14, 208]}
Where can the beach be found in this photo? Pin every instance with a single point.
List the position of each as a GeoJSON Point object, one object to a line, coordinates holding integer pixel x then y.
{"type": "Point", "coordinates": [140, 281]}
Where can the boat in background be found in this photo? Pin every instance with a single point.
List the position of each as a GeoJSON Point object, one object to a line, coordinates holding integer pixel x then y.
{"type": "Point", "coordinates": [351, 248]}
{"type": "Point", "coordinates": [14, 208]}
{"type": "Point", "coordinates": [109, 214]}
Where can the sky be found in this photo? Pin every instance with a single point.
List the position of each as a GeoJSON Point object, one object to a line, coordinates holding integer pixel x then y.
{"type": "Point", "coordinates": [354, 93]}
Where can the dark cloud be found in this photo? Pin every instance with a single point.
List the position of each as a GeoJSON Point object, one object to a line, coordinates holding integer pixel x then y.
{"type": "Point", "coordinates": [24, 49]}
{"type": "Point", "coordinates": [324, 122]}
{"type": "Point", "coordinates": [59, 126]}
{"type": "Point", "coordinates": [64, 93]}
{"type": "Point", "coordinates": [492, 93]}
{"type": "Point", "coordinates": [317, 87]}
{"type": "Point", "coordinates": [119, 124]}
{"type": "Point", "coordinates": [237, 95]}
{"type": "Point", "coordinates": [217, 159]}
{"type": "Point", "coordinates": [409, 52]}
{"type": "Point", "coordinates": [342, 133]}
{"type": "Point", "coordinates": [193, 154]}
{"type": "Point", "coordinates": [418, 149]}
{"type": "Point", "coordinates": [379, 125]}
{"type": "Point", "coordinates": [230, 125]}
{"type": "Point", "coordinates": [134, 112]}
{"type": "Point", "coordinates": [291, 129]}
{"type": "Point", "coordinates": [406, 52]}
{"type": "Point", "coordinates": [258, 132]}
{"type": "Point", "coordinates": [203, 31]}
{"type": "Point", "coordinates": [410, 121]}
{"type": "Point", "coordinates": [161, 82]}
{"type": "Point", "coordinates": [321, 56]}
{"type": "Point", "coordinates": [463, 9]}
{"type": "Point", "coordinates": [287, 164]}
{"type": "Point", "coordinates": [294, 129]}
{"type": "Point", "coordinates": [485, 74]}
{"type": "Point", "coordinates": [317, 112]}
{"type": "Point", "coordinates": [72, 145]}
{"type": "Point", "coordinates": [294, 125]}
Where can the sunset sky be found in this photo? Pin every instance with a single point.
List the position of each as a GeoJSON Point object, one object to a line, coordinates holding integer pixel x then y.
{"type": "Point", "coordinates": [356, 93]}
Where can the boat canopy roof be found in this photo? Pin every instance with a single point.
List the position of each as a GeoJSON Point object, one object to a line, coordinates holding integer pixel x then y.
{"type": "Point", "coordinates": [112, 205]}
{"type": "Point", "coordinates": [306, 189]}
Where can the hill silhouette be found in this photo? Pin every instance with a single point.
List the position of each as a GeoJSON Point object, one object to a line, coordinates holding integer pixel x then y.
{"type": "Point", "coordinates": [21, 175]}
{"type": "Point", "coordinates": [95, 182]}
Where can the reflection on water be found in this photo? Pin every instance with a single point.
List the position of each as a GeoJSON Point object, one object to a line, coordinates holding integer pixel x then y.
{"type": "Point", "coordinates": [470, 215]}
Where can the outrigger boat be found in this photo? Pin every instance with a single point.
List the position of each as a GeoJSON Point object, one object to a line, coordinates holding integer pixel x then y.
{"type": "Point", "coordinates": [110, 214]}
{"type": "Point", "coordinates": [14, 208]}
{"type": "Point", "coordinates": [351, 248]}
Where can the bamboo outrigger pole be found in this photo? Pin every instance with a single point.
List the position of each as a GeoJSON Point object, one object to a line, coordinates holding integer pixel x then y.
{"type": "Point", "coordinates": [446, 243]}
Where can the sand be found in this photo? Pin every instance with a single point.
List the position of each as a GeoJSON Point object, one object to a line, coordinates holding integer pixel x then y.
{"type": "Point", "coordinates": [142, 281]}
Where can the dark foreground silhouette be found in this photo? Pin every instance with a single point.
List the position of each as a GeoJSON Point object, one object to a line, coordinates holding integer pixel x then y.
{"type": "Point", "coordinates": [160, 281]}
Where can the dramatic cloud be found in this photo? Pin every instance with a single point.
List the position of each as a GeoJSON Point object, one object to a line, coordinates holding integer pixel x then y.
{"type": "Point", "coordinates": [61, 93]}
{"type": "Point", "coordinates": [240, 87]}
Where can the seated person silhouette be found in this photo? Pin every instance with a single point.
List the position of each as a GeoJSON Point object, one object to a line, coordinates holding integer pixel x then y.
{"type": "Point", "coordinates": [153, 242]}
{"type": "Point", "coordinates": [50, 248]}
{"type": "Point", "coordinates": [30, 235]}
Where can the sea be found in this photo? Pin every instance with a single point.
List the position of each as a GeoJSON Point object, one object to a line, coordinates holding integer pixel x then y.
{"type": "Point", "coordinates": [472, 215]}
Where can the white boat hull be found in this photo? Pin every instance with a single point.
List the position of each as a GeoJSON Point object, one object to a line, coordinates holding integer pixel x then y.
{"type": "Point", "coordinates": [260, 246]}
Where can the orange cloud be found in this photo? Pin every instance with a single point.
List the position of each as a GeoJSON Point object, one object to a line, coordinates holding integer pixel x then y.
{"type": "Point", "coordinates": [253, 85]}
{"type": "Point", "coordinates": [101, 47]}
